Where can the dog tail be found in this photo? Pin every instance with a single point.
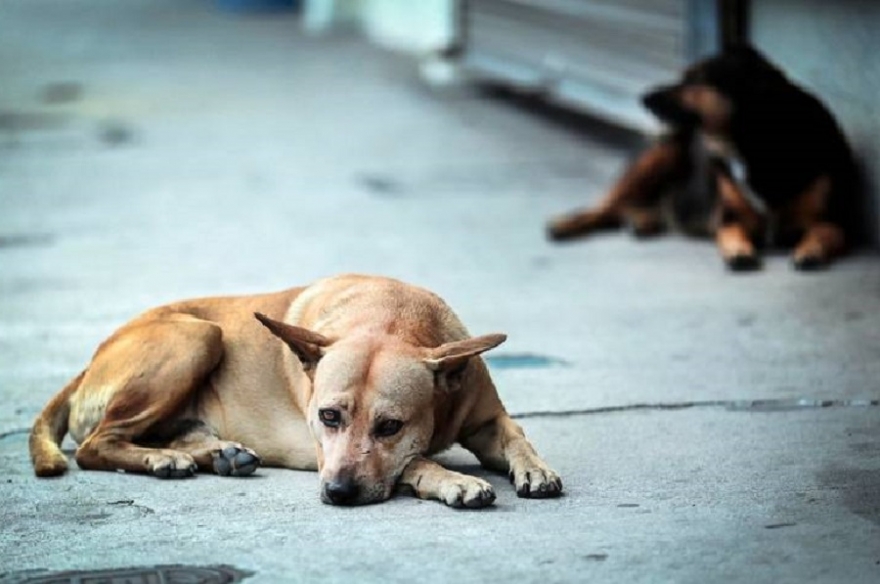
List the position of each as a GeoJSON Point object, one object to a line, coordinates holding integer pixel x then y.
{"type": "Point", "coordinates": [49, 430]}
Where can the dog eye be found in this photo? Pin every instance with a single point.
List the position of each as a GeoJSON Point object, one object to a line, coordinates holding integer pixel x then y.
{"type": "Point", "coordinates": [329, 418]}
{"type": "Point", "coordinates": [388, 428]}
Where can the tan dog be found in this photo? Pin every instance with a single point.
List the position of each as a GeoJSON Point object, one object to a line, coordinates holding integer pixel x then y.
{"type": "Point", "coordinates": [380, 375]}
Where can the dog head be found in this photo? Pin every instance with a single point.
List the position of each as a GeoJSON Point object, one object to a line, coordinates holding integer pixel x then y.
{"type": "Point", "coordinates": [714, 91]}
{"type": "Point", "coordinates": [371, 409]}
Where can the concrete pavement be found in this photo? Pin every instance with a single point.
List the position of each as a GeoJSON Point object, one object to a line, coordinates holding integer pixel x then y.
{"type": "Point", "coordinates": [156, 150]}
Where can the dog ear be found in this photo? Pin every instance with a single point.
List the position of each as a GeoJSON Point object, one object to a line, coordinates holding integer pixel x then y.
{"type": "Point", "coordinates": [453, 356]}
{"type": "Point", "coordinates": [307, 345]}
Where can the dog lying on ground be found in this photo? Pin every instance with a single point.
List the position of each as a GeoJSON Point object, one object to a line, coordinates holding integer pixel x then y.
{"type": "Point", "coordinates": [779, 165]}
{"type": "Point", "coordinates": [364, 378]}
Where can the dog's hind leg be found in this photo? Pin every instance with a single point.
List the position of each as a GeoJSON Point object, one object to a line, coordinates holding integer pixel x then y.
{"type": "Point", "coordinates": [634, 195]}
{"type": "Point", "coordinates": [209, 452]}
{"type": "Point", "coordinates": [141, 378]}
{"type": "Point", "coordinates": [501, 445]}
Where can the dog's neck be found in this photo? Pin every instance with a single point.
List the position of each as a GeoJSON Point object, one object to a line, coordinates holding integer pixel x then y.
{"type": "Point", "coordinates": [718, 145]}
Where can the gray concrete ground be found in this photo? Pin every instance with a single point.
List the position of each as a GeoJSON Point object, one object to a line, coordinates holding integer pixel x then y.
{"type": "Point", "coordinates": [154, 150]}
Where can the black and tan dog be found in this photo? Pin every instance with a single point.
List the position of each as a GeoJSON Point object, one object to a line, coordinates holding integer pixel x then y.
{"type": "Point", "coordinates": [361, 378]}
{"type": "Point", "coordinates": [779, 168]}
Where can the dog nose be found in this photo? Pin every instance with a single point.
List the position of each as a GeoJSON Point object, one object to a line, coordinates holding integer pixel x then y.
{"type": "Point", "coordinates": [660, 98]}
{"type": "Point", "coordinates": [341, 492]}
{"type": "Point", "coordinates": [664, 103]}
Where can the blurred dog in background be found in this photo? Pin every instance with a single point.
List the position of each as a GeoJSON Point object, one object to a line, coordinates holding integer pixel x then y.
{"type": "Point", "coordinates": [770, 161]}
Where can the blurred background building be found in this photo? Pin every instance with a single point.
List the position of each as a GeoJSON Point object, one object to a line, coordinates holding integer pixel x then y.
{"type": "Point", "coordinates": [598, 56]}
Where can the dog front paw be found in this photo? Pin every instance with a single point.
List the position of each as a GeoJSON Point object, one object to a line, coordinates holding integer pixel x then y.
{"type": "Point", "coordinates": [743, 262]}
{"type": "Point", "coordinates": [809, 261]}
{"type": "Point", "coordinates": [536, 482]}
{"type": "Point", "coordinates": [466, 492]}
{"type": "Point", "coordinates": [737, 249]}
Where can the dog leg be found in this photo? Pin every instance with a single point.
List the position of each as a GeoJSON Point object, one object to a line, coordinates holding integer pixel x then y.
{"type": "Point", "coordinates": [821, 243]}
{"type": "Point", "coordinates": [150, 370]}
{"type": "Point", "coordinates": [821, 240]}
{"type": "Point", "coordinates": [739, 224]}
{"type": "Point", "coordinates": [639, 188]}
{"type": "Point", "coordinates": [427, 479]}
{"type": "Point", "coordinates": [211, 453]}
{"type": "Point", "coordinates": [49, 430]}
{"type": "Point", "coordinates": [501, 445]}
{"type": "Point", "coordinates": [736, 248]}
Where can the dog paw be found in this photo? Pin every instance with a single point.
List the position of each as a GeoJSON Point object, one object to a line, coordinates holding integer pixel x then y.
{"type": "Point", "coordinates": [559, 231]}
{"type": "Point", "coordinates": [646, 224]}
{"type": "Point", "coordinates": [579, 225]}
{"type": "Point", "coordinates": [743, 262]}
{"type": "Point", "coordinates": [647, 231]}
{"type": "Point", "coordinates": [51, 465]}
{"type": "Point", "coordinates": [235, 460]}
{"type": "Point", "coordinates": [467, 492]}
{"type": "Point", "coordinates": [537, 482]}
{"type": "Point", "coordinates": [173, 465]}
{"type": "Point", "coordinates": [809, 262]}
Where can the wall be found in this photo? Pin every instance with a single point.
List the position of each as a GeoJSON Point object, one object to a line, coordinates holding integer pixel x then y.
{"type": "Point", "coordinates": [832, 48]}
{"type": "Point", "coordinates": [420, 26]}
{"type": "Point", "coordinates": [408, 25]}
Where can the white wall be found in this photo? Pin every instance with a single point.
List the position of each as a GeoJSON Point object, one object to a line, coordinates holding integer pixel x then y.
{"type": "Point", "coordinates": [415, 25]}
{"type": "Point", "coordinates": [407, 25]}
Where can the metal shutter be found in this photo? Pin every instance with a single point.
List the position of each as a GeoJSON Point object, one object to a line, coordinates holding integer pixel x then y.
{"type": "Point", "coordinates": [594, 55]}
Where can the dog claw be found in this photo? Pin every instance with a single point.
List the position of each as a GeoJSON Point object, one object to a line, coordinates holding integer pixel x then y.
{"type": "Point", "coordinates": [524, 490]}
{"type": "Point", "coordinates": [236, 461]}
{"type": "Point", "coordinates": [484, 499]}
{"type": "Point", "coordinates": [538, 484]}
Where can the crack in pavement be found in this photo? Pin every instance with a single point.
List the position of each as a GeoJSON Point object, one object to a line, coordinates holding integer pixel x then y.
{"type": "Point", "coordinates": [756, 405]}
{"type": "Point", "coordinates": [14, 432]}
{"type": "Point", "coordinates": [753, 405]}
